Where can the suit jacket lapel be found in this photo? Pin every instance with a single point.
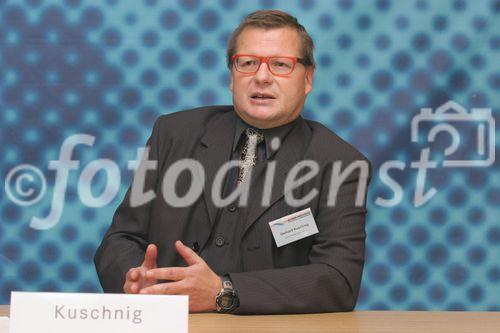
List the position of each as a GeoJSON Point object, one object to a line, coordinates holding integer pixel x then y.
{"type": "Point", "coordinates": [291, 152]}
{"type": "Point", "coordinates": [214, 151]}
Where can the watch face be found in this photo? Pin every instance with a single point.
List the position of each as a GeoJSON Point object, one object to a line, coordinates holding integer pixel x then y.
{"type": "Point", "coordinates": [226, 301]}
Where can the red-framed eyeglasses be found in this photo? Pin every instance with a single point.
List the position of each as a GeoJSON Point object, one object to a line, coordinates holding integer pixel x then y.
{"type": "Point", "coordinates": [277, 65]}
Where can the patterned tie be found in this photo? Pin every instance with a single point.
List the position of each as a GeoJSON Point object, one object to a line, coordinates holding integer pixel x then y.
{"type": "Point", "coordinates": [248, 156]}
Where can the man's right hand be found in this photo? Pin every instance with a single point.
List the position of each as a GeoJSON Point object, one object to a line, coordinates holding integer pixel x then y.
{"type": "Point", "coordinates": [136, 279]}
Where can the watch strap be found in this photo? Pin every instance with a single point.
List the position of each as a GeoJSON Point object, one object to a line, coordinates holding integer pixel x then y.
{"type": "Point", "coordinates": [227, 284]}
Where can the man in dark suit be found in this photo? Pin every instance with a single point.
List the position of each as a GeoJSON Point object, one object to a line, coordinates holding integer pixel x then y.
{"type": "Point", "coordinates": [219, 249]}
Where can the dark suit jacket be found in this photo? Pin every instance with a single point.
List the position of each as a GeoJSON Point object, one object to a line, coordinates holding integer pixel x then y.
{"type": "Point", "coordinates": [320, 273]}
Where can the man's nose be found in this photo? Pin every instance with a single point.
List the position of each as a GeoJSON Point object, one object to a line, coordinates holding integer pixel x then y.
{"type": "Point", "coordinates": [263, 74]}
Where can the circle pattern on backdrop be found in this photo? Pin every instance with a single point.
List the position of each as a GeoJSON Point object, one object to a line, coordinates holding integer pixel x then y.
{"type": "Point", "coordinates": [110, 70]}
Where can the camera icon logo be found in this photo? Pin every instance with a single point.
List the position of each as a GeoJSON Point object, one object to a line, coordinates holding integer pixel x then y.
{"type": "Point", "coordinates": [472, 133]}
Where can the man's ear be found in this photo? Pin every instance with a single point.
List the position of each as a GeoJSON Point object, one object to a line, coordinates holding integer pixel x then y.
{"type": "Point", "coordinates": [231, 80]}
{"type": "Point", "coordinates": [309, 77]}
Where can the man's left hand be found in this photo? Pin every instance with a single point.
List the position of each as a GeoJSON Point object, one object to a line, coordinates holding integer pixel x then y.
{"type": "Point", "coordinates": [197, 280]}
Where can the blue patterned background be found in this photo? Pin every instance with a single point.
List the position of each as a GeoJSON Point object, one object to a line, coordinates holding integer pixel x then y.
{"type": "Point", "coordinates": [110, 68]}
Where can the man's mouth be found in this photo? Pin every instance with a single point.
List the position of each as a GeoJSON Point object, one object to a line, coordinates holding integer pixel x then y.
{"type": "Point", "coordinates": [262, 96]}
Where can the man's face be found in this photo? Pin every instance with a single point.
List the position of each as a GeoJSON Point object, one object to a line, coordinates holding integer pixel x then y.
{"type": "Point", "coordinates": [284, 96]}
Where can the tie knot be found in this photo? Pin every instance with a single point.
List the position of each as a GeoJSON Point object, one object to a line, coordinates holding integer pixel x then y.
{"type": "Point", "coordinates": [254, 134]}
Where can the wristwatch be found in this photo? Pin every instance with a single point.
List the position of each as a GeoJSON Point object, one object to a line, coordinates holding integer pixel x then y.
{"type": "Point", "coordinates": [227, 299]}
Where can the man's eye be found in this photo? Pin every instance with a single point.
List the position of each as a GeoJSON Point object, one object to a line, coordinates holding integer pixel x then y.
{"type": "Point", "coordinates": [280, 64]}
{"type": "Point", "coordinates": [248, 63]}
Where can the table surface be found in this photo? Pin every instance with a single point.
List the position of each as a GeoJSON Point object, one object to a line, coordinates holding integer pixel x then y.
{"type": "Point", "coordinates": [357, 321]}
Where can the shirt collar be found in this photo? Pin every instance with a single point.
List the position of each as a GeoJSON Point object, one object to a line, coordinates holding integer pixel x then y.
{"type": "Point", "coordinates": [270, 134]}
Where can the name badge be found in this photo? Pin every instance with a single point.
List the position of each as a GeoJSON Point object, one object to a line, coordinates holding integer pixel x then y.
{"type": "Point", "coordinates": [293, 227]}
{"type": "Point", "coordinates": [84, 313]}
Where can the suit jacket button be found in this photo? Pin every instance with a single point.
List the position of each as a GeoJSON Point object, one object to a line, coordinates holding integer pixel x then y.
{"type": "Point", "coordinates": [220, 241]}
{"type": "Point", "coordinates": [232, 208]}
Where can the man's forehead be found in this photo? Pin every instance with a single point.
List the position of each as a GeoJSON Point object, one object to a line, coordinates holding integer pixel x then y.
{"type": "Point", "coordinates": [274, 39]}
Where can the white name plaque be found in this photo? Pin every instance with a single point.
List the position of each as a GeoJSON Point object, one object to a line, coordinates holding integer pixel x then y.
{"type": "Point", "coordinates": [96, 313]}
{"type": "Point", "coordinates": [4, 324]}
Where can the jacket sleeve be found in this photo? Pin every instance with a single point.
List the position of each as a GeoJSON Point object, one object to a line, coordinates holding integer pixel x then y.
{"type": "Point", "coordinates": [125, 242]}
{"type": "Point", "coordinates": [330, 281]}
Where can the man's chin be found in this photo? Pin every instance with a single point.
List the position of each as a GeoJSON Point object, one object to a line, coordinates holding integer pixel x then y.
{"type": "Point", "coordinates": [258, 121]}
{"type": "Point", "coordinates": [257, 112]}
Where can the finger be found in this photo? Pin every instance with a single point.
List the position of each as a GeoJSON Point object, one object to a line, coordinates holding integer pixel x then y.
{"type": "Point", "coordinates": [189, 256]}
{"type": "Point", "coordinates": [167, 273]}
{"type": "Point", "coordinates": [134, 288]}
{"type": "Point", "coordinates": [131, 287]}
{"type": "Point", "coordinates": [150, 257]}
{"type": "Point", "coordinates": [169, 288]}
{"type": "Point", "coordinates": [132, 274]}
